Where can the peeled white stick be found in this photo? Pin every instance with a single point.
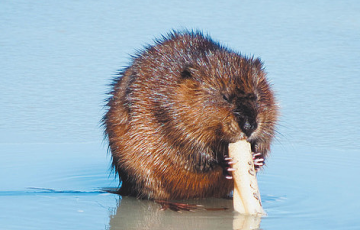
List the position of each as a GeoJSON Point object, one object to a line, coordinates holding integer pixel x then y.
{"type": "Point", "coordinates": [246, 191]}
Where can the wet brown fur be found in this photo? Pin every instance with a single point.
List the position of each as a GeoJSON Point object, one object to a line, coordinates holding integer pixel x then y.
{"type": "Point", "coordinates": [173, 112]}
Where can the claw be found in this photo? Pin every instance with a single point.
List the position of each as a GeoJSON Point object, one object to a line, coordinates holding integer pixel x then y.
{"type": "Point", "coordinates": [259, 161]}
{"type": "Point", "coordinates": [256, 155]}
{"type": "Point", "coordinates": [229, 177]}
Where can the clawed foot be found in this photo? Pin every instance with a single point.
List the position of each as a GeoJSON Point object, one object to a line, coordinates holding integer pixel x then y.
{"type": "Point", "coordinates": [258, 158]}
{"type": "Point", "coordinates": [228, 169]}
{"type": "Point", "coordinates": [177, 207]}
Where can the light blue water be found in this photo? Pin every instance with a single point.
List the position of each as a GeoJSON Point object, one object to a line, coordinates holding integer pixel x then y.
{"type": "Point", "coordinates": [56, 59]}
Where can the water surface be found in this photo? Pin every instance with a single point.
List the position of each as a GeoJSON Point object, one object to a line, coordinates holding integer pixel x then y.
{"type": "Point", "coordinates": [57, 58]}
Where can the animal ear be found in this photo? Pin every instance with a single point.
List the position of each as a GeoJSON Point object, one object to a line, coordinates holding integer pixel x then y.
{"type": "Point", "coordinates": [187, 73]}
{"type": "Point", "coordinates": [188, 78]}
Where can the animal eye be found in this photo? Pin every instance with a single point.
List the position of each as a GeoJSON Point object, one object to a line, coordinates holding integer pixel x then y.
{"type": "Point", "coordinates": [226, 98]}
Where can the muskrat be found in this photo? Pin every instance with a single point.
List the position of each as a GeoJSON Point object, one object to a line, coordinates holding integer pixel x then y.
{"type": "Point", "coordinates": [174, 110]}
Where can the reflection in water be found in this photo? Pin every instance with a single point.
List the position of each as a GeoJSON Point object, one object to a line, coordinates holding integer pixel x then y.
{"type": "Point", "coordinates": [246, 222]}
{"type": "Point", "coordinates": [144, 214]}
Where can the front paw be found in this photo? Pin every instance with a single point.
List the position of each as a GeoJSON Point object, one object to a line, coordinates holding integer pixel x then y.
{"type": "Point", "coordinates": [227, 166]}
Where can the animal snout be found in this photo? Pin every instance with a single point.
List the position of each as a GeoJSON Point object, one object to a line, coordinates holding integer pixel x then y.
{"type": "Point", "coordinates": [248, 127]}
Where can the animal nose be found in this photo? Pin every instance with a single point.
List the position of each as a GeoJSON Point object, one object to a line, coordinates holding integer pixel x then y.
{"type": "Point", "coordinates": [249, 127]}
